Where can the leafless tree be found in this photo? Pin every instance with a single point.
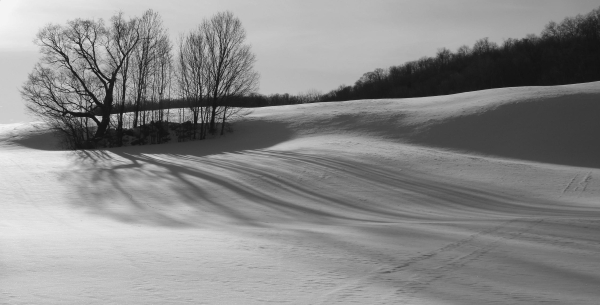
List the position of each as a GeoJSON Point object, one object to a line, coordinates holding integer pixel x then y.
{"type": "Point", "coordinates": [124, 76]}
{"type": "Point", "coordinates": [310, 96]}
{"type": "Point", "coordinates": [443, 56]}
{"type": "Point", "coordinates": [229, 61]}
{"type": "Point", "coordinates": [78, 73]}
{"type": "Point", "coordinates": [192, 76]}
{"type": "Point", "coordinates": [163, 72]}
{"type": "Point", "coordinates": [152, 36]}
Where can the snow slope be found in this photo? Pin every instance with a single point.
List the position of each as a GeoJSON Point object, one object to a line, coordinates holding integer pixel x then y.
{"type": "Point", "coordinates": [475, 198]}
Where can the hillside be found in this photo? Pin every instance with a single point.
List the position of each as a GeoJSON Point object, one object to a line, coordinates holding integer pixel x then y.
{"type": "Point", "coordinates": [482, 197]}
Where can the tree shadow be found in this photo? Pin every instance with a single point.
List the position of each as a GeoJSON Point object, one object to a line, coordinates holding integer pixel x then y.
{"type": "Point", "coordinates": [217, 183]}
{"type": "Point", "coordinates": [259, 189]}
{"type": "Point", "coordinates": [250, 184]}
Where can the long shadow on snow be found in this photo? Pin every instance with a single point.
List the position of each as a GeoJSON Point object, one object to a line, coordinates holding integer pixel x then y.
{"type": "Point", "coordinates": [149, 184]}
{"type": "Point", "coordinates": [108, 175]}
{"type": "Point", "coordinates": [393, 196]}
{"type": "Point", "coordinates": [290, 185]}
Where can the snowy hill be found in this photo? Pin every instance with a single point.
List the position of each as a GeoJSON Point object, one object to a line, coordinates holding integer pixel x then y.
{"type": "Point", "coordinates": [481, 197]}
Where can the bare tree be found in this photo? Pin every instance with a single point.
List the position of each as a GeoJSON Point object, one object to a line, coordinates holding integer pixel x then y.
{"type": "Point", "coordinates": [78, 72]}
{"type": "Point", "coordinates": [310, 96]}
{"type": "Point", "coordinates": [192, 76]}
{"type": "Point", "coordinates": [163, 72]}
{"type": "Point", "coordinates": [229, 61]}
{"type": "Point", "coordinates": [144, 60]}
{"type": "Point", "coordinates": [443, 56]}
{"type": "Point", "coordinates": [124, 75]}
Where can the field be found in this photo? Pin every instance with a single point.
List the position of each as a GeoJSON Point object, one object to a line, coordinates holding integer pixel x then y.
{"type": "Point", "coordinates": [488, 197]}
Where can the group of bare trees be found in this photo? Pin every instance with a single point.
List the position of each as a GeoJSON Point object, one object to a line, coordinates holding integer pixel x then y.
{"type": "Point", "coordinates": [146, 75]}
{"type": "Point", "coordinates": [214, 64]}
{"type": "Point", "coordinates": [93, 75]}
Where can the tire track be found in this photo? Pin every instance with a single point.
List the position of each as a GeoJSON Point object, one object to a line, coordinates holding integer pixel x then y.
{"type": "Point", "coordinates": [416, 274]}
{"type": "Point", "coordinates": [569, 185]}
{"type": "Point", "coordinates": [578, 184]}
{"type": "Point", "coordinates": [450, 247]}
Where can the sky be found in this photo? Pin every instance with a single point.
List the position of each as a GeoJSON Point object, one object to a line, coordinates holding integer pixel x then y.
{"type": "Point", "coordinates": [300, 45]}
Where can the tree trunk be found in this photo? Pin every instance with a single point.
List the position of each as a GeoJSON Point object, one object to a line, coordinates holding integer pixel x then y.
{"type": "Point", "coordinates": [224, 117]}
{"type": "Point", "coordinates": [106, 111]}
{"type": "Point", "coordinates": [213, 128]}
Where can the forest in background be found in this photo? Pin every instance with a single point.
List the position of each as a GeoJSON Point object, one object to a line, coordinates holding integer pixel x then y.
{"type": "Point", "coordinates": [563, 53]}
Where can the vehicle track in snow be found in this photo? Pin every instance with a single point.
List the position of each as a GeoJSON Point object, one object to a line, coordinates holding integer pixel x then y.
{"type": "Point", "coordinates": [416, 274]}
{"type": "Point", "coordinates": [579, 183]}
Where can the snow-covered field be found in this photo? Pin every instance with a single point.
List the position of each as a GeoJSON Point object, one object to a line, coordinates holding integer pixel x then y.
{"type": "Point", "coordinates": [489, 197]}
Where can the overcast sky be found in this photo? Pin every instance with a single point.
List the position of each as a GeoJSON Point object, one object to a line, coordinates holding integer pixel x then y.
{"type": "Point", "coordinates": [299, 45]}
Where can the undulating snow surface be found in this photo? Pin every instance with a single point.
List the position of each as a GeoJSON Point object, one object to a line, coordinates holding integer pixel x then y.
{"type": "Point", "coordinates": [489, 197]}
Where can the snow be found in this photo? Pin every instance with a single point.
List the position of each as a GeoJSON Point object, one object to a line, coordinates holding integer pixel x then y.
{"type": "Point", "coordinates": [488, 197]}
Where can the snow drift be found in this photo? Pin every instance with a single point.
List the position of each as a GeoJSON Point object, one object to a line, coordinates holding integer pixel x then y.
{"type": "Point", "coordinates": [546, 124]}
{"type": "Point", "coordinates": [480, 197]}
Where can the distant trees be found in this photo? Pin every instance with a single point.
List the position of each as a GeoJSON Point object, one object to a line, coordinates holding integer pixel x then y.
{"type": "Point", "coordinates": [94, 76]}
{"type": "Point", "coordinates": [564, 53]}
{"type": "Point", "coordinates": [310, 96]}
{"type": "Point", "coordinates": [277, 99]}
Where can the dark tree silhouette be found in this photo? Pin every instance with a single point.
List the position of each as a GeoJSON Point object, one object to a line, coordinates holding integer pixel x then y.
{"type": "Point", "coordinates": [565, 53]}
{"type": "Point", "coordinates": [229, 69]}
{"type": "Point", "coordinates": [192, 77]}
{"type": "Point", "coordinates": [78, 73]}
{"type": "Point", "coordinates": [154, 42]}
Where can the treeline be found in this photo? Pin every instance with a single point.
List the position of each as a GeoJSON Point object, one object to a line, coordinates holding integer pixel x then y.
{"type": "Point", "coordinates": [250, 100]}
{"type": "Point", "coordinates": [564, 53]}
